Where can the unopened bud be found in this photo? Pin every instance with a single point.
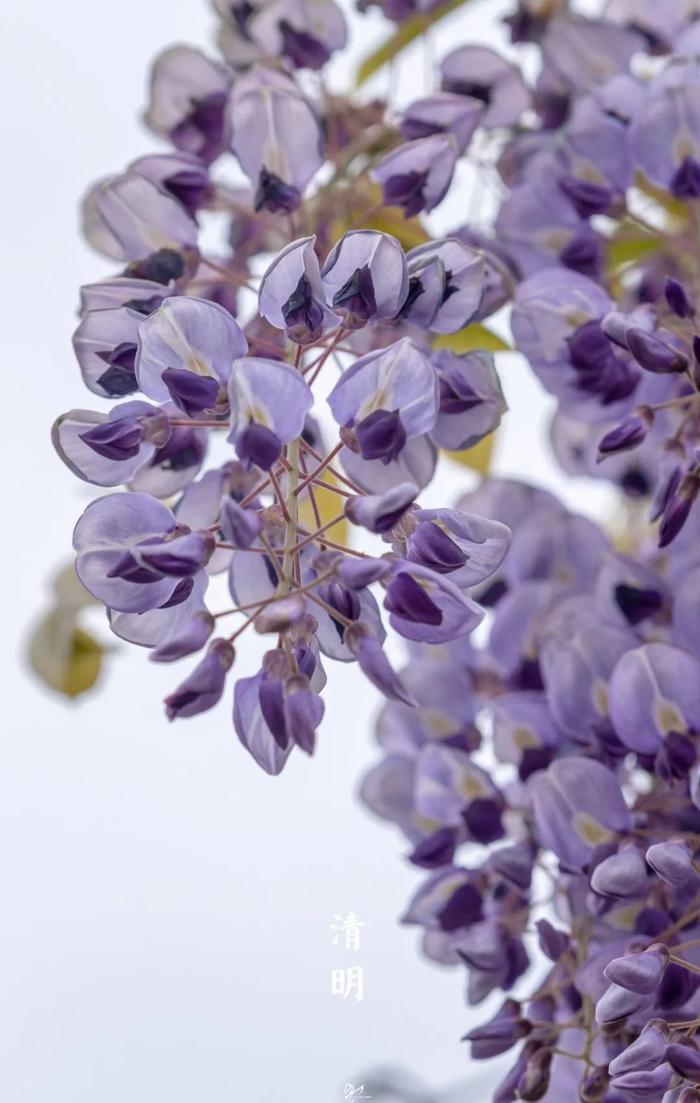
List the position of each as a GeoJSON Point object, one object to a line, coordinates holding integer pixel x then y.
{"type": "Point", "coordinates": [279, 615]}
{"type": "Point", "coordinates": [594, 1088]}
{"type": "Point", "coordinates": [534, 1082]}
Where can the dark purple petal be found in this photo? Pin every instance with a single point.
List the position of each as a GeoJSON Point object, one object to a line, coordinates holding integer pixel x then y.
{"type": "Point", "coordinates": [205, 685]}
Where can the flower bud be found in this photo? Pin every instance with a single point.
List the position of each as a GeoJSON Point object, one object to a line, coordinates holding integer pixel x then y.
{"type": "Point", "coordinates": [677, 508]}
{"type": "Point", "coordinates": [205, 685]}
{"type": "Point", "coordinates": [534, 1082]}
{"type": "Point", "coordinates": [594, 1087]}
{"type": "Point", "coordinates": [239, 526]}
{"type": "Point", "coordinates": [653, 354]}
{"type": "Point", "coordinates": [685, 1060]}
{"type": "Point", "coordinates": [672, 861]}
{"type": "Point", "coordinates": [639, 973]}
{"type": "Point", "coordinates": [647, 1083]}
{"type": "Point", "coordinates": [279, 615]}
{"type": "Point", "coordinates": [677, 298]}
{"type": "Point", "coordinates": [628, 434]}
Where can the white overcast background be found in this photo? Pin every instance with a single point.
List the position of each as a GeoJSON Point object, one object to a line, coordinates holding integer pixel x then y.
{"type": "Point", "coordinates": [166, 906]}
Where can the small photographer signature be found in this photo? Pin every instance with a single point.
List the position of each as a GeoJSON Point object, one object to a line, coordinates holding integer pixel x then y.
{"type": "Point", "coordinates": [353, 1094]}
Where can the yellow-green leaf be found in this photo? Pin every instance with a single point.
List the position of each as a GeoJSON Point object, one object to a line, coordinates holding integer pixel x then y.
{"type": "Point", "coordinates": [629, 247]}
{"type": "Point", "coordinates": [477, 458]}
{"type": "Point", "coordinates": [328, 505]}
{"type": "Point", "coordinates": [68, 590]}
{"type": "Point", "coordinates": [64, 656]}
{"type": "Point", "coordinates": [368, 212]}
{"type": "Point", "coordinates": [472, 337]}
{"type": "Point", "coordinates": [409, 30]}
{"type": "Point", "coordinates": [408, 231]}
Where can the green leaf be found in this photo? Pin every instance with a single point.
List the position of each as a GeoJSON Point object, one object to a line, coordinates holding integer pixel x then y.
{"type": "Point", "coordinates": [409, 30]}
{"type": "Point", "coordinates": [472, 337]}
{"type": "Point", "coordinates": [628, 247]}
{"type": "Point", "coordinates": [63, 656]}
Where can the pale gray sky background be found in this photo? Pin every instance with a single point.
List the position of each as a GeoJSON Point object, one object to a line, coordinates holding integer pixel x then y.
{"type": "Point", "coordinates": [164, 927]}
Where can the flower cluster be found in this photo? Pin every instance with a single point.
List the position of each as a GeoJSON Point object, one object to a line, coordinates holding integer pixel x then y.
{"type": "Point", "coordinates": [546, 770]}
{"type": "Point", "coordinates": [548, 781]}
{"type": "Point", "coordinates": [200, 353]}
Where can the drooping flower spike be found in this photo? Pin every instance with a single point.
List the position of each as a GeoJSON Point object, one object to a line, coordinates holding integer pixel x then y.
{"type": "Point", "coordinates": [275, 400]}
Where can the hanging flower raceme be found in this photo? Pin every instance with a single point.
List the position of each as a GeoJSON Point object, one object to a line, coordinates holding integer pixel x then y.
{"type": "Point", "coordinates": [545, 768]}
{"type": "Point", "coordinates": [257, 516]}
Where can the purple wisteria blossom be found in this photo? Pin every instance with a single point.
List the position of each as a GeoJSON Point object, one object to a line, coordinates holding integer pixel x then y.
{"type": "Point", "coordinates": [417, 175]}
{"type": "Point", "coordinates": [275, 403]}
{"type": "Point", "coordinates": [276, 138]}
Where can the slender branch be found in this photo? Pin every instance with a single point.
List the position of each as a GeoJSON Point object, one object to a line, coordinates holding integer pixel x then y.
{"type": "Point", "coordinates": [317, 470]}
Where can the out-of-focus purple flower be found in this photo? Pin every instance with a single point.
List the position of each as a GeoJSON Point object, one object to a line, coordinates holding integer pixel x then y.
{"type": "Point", "coordinates": [446, 285]}
{"type": "Point", "coordinates": [291, 295]}
{"type": "Point", "coordinates": [471, 399]}
{"type": "Point", "coordinates": [386, 398]}
{"type": "Point", "coordinates": [672, 861]}
{"type": "Point", "coordinates": [130, 218]}
{"type": "Point", "coordinates": [556, 324]}
{"type": "Point", "coordinates": [416, 176]}
{"type": "Point", "coordinates": [442, 113]}
{"type": "Point", "coordinates": [553, 943]}
{"type": "Point", "coordinates": [305, 33]}
{"type": "Point", "coordinates": [188, 101]}
{"type": "Point", "coordinates": [450, 788]}
{"type": "Point", "coordinates": [578, 53]}
{"type": "Point", "coordinates": [269, 403]}
{"type": "Point", "coordinates": [366, 277]}
{"type": "Point", "coordinates": [539, 226]}
{"type": "Point", "coordinates": [578, 806]}
{"type": "Point", "coordinates": [186, 349]}
{"type": "Point", "coordinates": [524, 732]}
{"type": "Point", "coordinates": [182, 175]}
{"type": "Point", "coordinates": [482, 74]}
{"type": "Point", "coordinates": [596, 139]}
{"type": "Point", "coordinates": [203, 688]}
{"type": "Point", "coordinates": [665, 136]}
{"type": "Point", "coordinates": [448, 900]}
{"type": "Point", "coordinates": [655, 691]}
{"type": "Point", "coordinates": [276, 138]}
{"type": "Point", "coordinates": [575, 663]}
